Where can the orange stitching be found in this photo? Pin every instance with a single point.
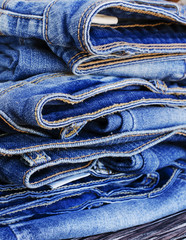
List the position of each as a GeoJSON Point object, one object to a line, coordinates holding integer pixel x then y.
{"type": "Point", "coordinates": [35, 81]}
{"type": "Point", "coordinates": [78, 59]}
{"type": "Point", "coordinates": [120, 7]}
{"type": "Point", "coordinates": [46, 24]}
{"type": "Point", "coordinates": [57, 200]}
{"type": "Point", "coordinates": [39, 155]}
{"type": "Point", "coordinates": [75, 129]}
{"type": "Point", "coordinates": [75, 56]}
{"type": "Point", "coordinates": [132, 58]}
{"type": "Point", "coordinates": [79, 39]}
{"type": "Point", "coordinates": [18, 130]}
{"type": "Point", "coordinates": [30, 157]}
{"type": "Point", "coordinates": [132, 25]}
{"type": "Point", "coordinates": [80, 95]}
{"type": "Point", "coordinates": [145, 12]}
{"type": "Point", "coordinates": [101, 110]}
{"type": "Point", "coordinates": [66, 171]}
{"type": "Point", "coordinates": [87, 140]}
{"type": "Point", "coordinates": [113, 44]}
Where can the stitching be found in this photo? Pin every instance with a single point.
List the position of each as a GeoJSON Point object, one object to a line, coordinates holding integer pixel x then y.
{"type": "Point", "coordinates": [74, 130]}
{"type": "Point", "coordinates": [38, 156]}
{"type": "Point", "coordinates": [169, 90]}
{"type": "Point", "coordinates": [34, 160]}
{"type": "Point", "coordinates": [16, 129]}
{"type": "Point", "coordinates": [145, 12]}
{"type": "Point", "coordinates": [52, 202]}
{"type": "Point", "coordinates": [38, 205]}
{"type": "Point", "coordinates": [79, 58]}
{"type": "Point", "coordinates": [132, 25]}
{"type": "Point", "coordinates": [87, 140]}
{"type": "Point", "coordinates": [66, 187]}
{"type": "Point", "coordinates": [120, 7]}
{"type": "Point", "coordinates": [59, 173]}
{"type": "Point", "coordinates": [79, 25]}
{"type": "Point", "coordinates": [100, 110]}
{"type": "Point", "coordinates": [4, 4]}
{"type": "Point", "coordinates": [35, 81]}
{"type": "Point", "coordinates": [138, 195]}
{"type": "Point", "coordinates": [19, 16]}
{"type": "Point", "coordinates": [133, 58]}
{"type": "Point", "coordinates": [84, 56]}
{"type": "Point", "coordinates": [89, 163]}
{"type": "Point", "coordinates": [122, 43]}
{"type": "Point", "coordinates": [116, 61]}
{"type": "Point", "coordinates": [10, 189]}
{"type": "Point", "coordinates": [46, 22]}
{"type": "Point", "coordinates": [76, 55]}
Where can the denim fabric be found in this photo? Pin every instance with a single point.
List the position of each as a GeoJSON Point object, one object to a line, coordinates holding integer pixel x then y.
{"type": "Point", "coordinates": [167, 198]}
{"type": "Point", "coordinates": [35, 169]}
{"type": "Point", "coordinates": [49, 102]}
{"type": "Point", "coordinates": [89, 47]}
{"type": "Point", "coordinates": [82, 155]}
{"type": "Point", "coordinates": [136, 119]}
{"type": "Point", "coordinates": [22, 58]}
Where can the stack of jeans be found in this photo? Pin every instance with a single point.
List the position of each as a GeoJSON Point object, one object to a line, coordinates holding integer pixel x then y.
{"type": "Point", "coordinates": [92, 115]}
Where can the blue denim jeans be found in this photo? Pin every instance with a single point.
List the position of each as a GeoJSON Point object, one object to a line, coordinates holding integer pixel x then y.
{"type": "Point", "coordinates": [88, 46]}
{"type": "Point", "coordinates": [21, 58]}
{"type": "Point", "coordinates": [56, 167]}
{"type": "Point", "coordinates": [127, 209]}
{"type": "Point", "coordinates": [60, 105]}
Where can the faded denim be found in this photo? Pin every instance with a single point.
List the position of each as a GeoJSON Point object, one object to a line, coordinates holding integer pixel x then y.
{"type": "Point", "coordinates": [22, 58]}
{"type": "Point", "coordinates": [35, 169]}
{"type": "Point", "coordinates": [122, 213]}
{"type": "Point", "coordinates": [88, 47]}
{"type": "Point", "coordinates": [60, 105]}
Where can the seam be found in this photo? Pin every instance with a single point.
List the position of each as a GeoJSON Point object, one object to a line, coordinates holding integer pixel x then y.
{"type": "Point", "coordinates": [87, 140]}
{"type": "Point", "coordinates": [59, 173]}
{"type": "Point", "coordinates": [10, 125]}
{"type": "Point", "coordinates": [67, 187]}
{"type": "Point", "coordinates": [100, 110]}
{"type": "Point", "coordinates": [12, 230]}
{"type": "Point", "coordinates": [85, 55]}
{"type": "Point", "coordinates": [79, 25]}
{"type": "Point", "coordinates": [114, 61]}
{"type": "Point", "coordinates": [122, 43]}
{"type": "Point", "coordinates": [4, 4]}
{"type": "Point", "coordinates": [37, 157]}
{"type": "Point", "coordinates": [120, 7]}
{"type": "Point", "coordinates": [133, 58]}
{"type": "Point", "coordinates": [132, 25]}
{"type": "Point", "coordinates": [39, 205]}
{"type": "Point", "coordinates": [35, 81]}
{"type": "Point", "coordinates": [19, 16]}
{"type": "Point", "coordinates": [46, 21]}
{"type": "Point", "coordinates": [138, 195]}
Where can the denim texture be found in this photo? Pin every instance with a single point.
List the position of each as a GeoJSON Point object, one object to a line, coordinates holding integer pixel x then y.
{"type": "Point", "coordinates": [87, 47]}
{"type": "Point", "coordinates": [92, 115]}
{"type": "Point", "coordinates": [21, 58]}
{"type": "Point", "coordinates": [35, 169]}
{"type": "Point", "coordinates": [45, 98]}
{"type": "Point", "coordinates": [122, 213]}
